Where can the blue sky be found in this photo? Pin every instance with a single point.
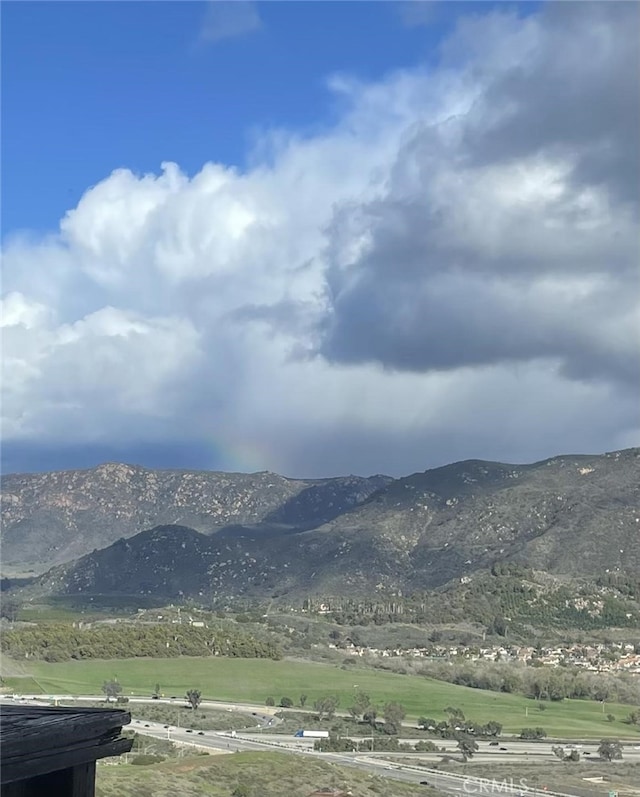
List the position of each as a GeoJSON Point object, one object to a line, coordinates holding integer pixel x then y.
{"type": "Point", "coordinates": [429, 258]}
{"type": "Point", "coordinates": [92, 86]}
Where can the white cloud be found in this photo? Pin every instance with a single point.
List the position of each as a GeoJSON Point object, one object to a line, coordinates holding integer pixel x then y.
{"type": "Point", "coordinates": [397, 292]}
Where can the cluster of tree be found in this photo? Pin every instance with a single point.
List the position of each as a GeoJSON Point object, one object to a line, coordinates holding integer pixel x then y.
{"type": "Point", "coordinates": [457, 724]}
{"type": "Point", "coordinates": [335, 743]}
{"type": "Point", "coordinates": [365, 710]}
{"type": "Point", "coordinates": [565, 754]}
{"type": "Point", "coordinates": [608, 750]}
{"type": "Point", "coordinates": [533, 733]}
{"type": "Point", "coordinates": [624, 583]}
{"type": "Point", "coordinates": [287, 702]}
{"type": "Point", "coordinates": [59, 642]}
{"type": "Point", "coordinates": [509, 590]}
{"type": "Point", "coordinates": [539, 683]}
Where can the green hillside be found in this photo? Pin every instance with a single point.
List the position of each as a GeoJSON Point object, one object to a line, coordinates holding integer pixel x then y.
{"type": "Point", "coordinates": [252, 681]}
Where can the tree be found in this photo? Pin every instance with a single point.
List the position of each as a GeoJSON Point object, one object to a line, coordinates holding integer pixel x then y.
{"type": "Point", "coordinates": [498, 626]}
{"type": "Point", "coordinates": [394, 713]}
{"type": "Point", "coordinates": [303, 700]}
{"type": "Point", "coordinates": [361, 703]}
{"type": "Point", "coordinates": [269, 702]}
{"type": "Point", "coordinates": [326, 706]}
{"type": "Point", "coordinates": [330, 703]}
{"type": "Point", "coordinates": [318, 707]}
{"type": "Point", "coordinates": [610, 750]}
{"type": "Point", "coordinates": [558, 751]}
{"type": "Point", "coordinates": [533, 733]}
{"type": "Point", "coordinates": [194, 696]}
{"type": "Point", "coordinates": [466, 745]}
{"type": "Point", "coordinates": [611, 718]}
{"type": "Point", "coordinates": [286, 702]}
{"type": "Point", "coordinates": [455, 714]}
{"type": "Point", "coordinates": [156, 691]}
{"type": "Point", "coordinates": [111, 688]}
{"type": "Point", "coordinates": [370, 716]}
{"type": "Point", "coordinates": [493, 728]}
{"type": "Point", "coordinates": [427, 723]}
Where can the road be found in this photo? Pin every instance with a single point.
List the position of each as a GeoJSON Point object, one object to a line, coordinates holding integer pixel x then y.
{"type": "Point", "coordinates": [505, 750]}
{"type": "Point", "coordinates": [380, 764]}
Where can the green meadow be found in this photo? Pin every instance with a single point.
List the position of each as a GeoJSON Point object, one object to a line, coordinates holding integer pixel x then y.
{"type": "Point", "coordinates": [253, 680]}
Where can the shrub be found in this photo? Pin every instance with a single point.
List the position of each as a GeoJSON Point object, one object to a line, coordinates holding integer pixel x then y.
{"type": "Point", "coordinates": [145, 760]}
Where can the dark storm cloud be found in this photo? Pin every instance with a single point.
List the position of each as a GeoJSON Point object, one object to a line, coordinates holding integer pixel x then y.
{"type": "Point", "coordinates": [577, 94]}
{"type": "Point", "coordinates": [508, 233]}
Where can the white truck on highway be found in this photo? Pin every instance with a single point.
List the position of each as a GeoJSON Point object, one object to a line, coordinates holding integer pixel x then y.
{"type": "Point", "coordinates": [311, 734]}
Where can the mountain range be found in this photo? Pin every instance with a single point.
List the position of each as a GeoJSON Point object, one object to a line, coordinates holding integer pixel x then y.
{"type": "Point", "coordinates": [124, 530]}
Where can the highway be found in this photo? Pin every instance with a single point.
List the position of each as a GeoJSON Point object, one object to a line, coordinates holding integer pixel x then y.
{"type": "Point", "coordinates": [379, 765]}
{"type": "Point", "coordinates": [260, 736]}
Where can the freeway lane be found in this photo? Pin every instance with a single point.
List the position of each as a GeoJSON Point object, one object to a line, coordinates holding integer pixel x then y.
{"type": "Point", "coordinates": [507, 749]}
{"type": "Point", "coordinates": [380, 764]}
{"type": "Point", "coordinates": [372, 765]}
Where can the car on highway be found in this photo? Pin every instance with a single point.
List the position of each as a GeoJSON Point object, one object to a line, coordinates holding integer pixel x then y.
{"type": "Point", "coordinates": [200, 733]}
{"type": "Point", "coordinates": [425, 783]}
{"type": "Point", "coordinates": [503, 748]}
{"type": "Point", "coordinates": [147, 725]}
{"type": "Point", "coordinates": [493, 744]}
{"type": "Point", "coordinates": [189, 730]}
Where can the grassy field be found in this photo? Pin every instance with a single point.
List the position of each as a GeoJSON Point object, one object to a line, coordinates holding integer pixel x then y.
{"type": "Point", "coordinates": [253, 680]}
{"type": "Point", "coordinates": [263, 775]}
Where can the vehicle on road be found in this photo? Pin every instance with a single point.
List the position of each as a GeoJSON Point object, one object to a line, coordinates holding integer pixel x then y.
{"type": "Point", "coordinates": [200, 733]}
{"type": "Point", "coordinates": [503, 748]}
{"type": "Point", "coordinates": [493, 744]}
{"type": "Point", "coordinates": [311, 734]}
{"type": "Point", "coordinates": [424, 783]}
{"type": "Point", "coordinates": [189, 730]}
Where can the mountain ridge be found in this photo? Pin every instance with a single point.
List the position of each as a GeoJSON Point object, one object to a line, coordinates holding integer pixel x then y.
{"type": "Point", "coordinates": [49, 518]}
{"type": "Point", "coordinates": [567, 515]}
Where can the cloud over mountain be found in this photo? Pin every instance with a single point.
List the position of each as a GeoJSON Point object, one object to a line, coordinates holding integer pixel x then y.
{"type": "Point", "coordinates": [449, 271]}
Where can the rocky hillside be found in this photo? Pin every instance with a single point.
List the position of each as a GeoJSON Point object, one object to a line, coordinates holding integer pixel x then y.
{"type": "Point", "coordinates": [574, 515]}
{"type": "Point", "coordinates": [49, 518]}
